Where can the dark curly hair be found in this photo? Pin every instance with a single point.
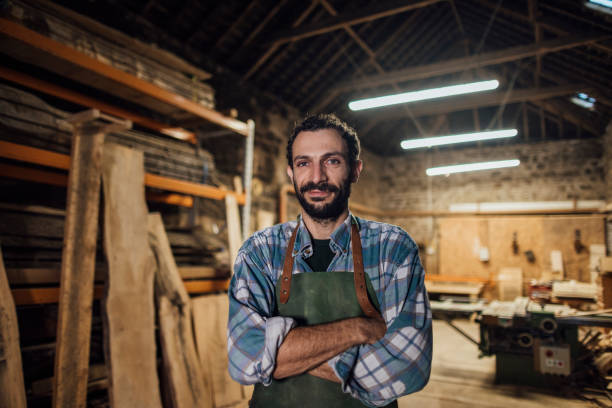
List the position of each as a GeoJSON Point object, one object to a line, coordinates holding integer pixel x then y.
{"type": "Point", "coordinates": [327, 121]}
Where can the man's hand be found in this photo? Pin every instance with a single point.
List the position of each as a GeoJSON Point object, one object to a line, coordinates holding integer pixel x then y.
{"type": "Point", "coordinates": [305, 348]}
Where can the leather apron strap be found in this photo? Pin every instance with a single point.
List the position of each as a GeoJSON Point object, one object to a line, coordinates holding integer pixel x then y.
{"type": "Point", "coordinates": [359, 273]}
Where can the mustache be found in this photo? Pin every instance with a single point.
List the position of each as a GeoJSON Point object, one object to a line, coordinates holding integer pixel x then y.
{"type": "Point", "coordinates": [324, 186]}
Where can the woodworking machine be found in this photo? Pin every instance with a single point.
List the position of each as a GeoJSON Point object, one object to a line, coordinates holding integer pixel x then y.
{"type": "Point", "coordinates": [533, 344]}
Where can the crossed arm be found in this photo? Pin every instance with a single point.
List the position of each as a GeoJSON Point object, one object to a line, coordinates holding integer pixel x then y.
{"type": "Point", "coordinates": [307, 349]}
{"type": "Point", "coordinates": [262, 347]}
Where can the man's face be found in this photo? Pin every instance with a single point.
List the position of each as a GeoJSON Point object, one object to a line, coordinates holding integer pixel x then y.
{"type": "Point", "coordinates": [321, 173]}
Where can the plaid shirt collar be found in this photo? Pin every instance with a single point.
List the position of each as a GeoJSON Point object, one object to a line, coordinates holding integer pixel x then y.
{"type": "Point", "coordinates": [340, 238]}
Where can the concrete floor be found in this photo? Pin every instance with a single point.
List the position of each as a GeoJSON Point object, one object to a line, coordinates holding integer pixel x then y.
{"type": "Point", "coordinates": [459, 379]}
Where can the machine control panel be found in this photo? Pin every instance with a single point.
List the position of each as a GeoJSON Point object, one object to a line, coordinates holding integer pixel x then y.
{"type": "Point", "coordinates": [553, 359]}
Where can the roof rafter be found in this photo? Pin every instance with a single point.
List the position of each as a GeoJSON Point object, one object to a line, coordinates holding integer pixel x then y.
{"type": "Point", "coordinates": [548, 23]}
{"type": "Point", "coordinates": [272, 49]}
{"type": "Point", "coordinates": [379, 10]}
{"type": "Point", "coordinates": [474, 61]}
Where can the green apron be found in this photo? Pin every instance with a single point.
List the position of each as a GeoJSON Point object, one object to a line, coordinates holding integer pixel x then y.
{"type": "Point", "coordinates": [316, 298]}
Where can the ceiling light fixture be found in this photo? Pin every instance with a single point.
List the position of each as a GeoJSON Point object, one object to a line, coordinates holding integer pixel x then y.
{"type": "Point", "coordinates": [604, 6]}
{"type": "Point", "coordinates": [414, 96]}
{"type": "Point", "coordinates": [584, 100]}
{"type": "Point", "coordinates": [460, 168]}
{"type": "Point", "coordinates": [462, 138]}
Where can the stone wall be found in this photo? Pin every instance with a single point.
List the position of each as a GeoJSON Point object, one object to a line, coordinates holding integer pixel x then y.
{"type": "Point", "coordinates": [549, 171]}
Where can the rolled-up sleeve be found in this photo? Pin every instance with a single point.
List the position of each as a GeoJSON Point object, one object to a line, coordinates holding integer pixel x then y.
{"type": "Point", "coordinates": [400, 362]}
{"type": "Point", "coordinates": [254, 336]}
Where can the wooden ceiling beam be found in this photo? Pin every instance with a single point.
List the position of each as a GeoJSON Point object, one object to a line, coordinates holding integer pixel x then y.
{"type": "Point", "coordinates": [378, 11]}
{"type": "Point", "coordinates": [273, 11]}
{"type": "Point", "coordinates": [247, 10]}
{"type": "Point", "coordinates": [547, 23]}
{"type": "Point", "coordinates": [475, 61]}
{"type": "Point", "coordinates": [478, 101]}
{"type": "Point", "coordinates": [569, 114]}
{"type": "Point", "coordinates": [274, 47]}
{"type": "Point", "coordinates": [372, 59]}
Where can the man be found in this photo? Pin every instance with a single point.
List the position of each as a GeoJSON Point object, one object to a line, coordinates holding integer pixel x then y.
{"type": "Point", "coordinates": [331, 310]}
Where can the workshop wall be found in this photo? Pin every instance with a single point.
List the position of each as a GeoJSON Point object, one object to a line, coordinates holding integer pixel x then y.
{"type": "Point", "coordinates": [607, 159]}
{"type": "Point", "coordinates": [549, 171]}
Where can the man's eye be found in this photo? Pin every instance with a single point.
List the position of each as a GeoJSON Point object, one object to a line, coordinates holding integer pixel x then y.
{"type": "Point", "coordinates": [333, 161]}
{"type": "Point", "coordinates": [301, 164]}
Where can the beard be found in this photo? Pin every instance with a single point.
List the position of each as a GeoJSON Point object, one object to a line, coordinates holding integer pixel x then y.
{"type": "Point", "coordinates": [330, 211]}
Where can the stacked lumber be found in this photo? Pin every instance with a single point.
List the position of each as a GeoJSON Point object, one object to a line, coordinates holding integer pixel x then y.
{"type": "Point", "coordinates": [32, 237]}
{"type": "Point", "coordinates": [28, 120]}
{"type": "Point", "coordinates": [111, 47]}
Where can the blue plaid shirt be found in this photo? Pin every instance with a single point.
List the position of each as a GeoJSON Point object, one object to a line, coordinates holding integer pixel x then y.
{"type": "Point", "coordinates": [377, 374]}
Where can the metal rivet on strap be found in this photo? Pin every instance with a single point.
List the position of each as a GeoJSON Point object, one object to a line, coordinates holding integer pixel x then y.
{"type": "Point", "coordinates": [284, 291]}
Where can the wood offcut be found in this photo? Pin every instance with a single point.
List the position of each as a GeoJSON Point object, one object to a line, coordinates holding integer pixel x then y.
{"type": "Point", "coordinates": [129, 311]}
{"type": "Point", "coordinates": [79, 258]}
{"type": "Point", "coordinates": [187, 385]}
{"type": "Point", "coordinates": [12, 390]}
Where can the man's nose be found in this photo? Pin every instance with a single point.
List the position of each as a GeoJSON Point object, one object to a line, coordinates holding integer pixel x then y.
{"type": "Point", "coordinates": [319, 174]}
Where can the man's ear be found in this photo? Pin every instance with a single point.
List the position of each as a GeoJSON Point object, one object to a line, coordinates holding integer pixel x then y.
{"type": "Point", "coordinates": [356, 171]}
{"type": "Point", "coordinates": [290, 173]}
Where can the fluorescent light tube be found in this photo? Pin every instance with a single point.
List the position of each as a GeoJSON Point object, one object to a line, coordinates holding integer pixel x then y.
{"type": "Point", "coordinates": [466, 137]}
{"type": "Point", "coordinates": [423, 95]}
{"type": "Point", "coordinates": [605, 6]}
{"type": "Point", "coordinates": [605, 3]}
{"type": "Point", "coordinates": [460, 168]}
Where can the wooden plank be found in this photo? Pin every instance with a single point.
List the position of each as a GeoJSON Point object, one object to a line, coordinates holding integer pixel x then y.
{"type": "Point", "coordinates": [206, 286]}
{"type": "Point", "coordinates": [233, 228]}
{"type": "Point", "coordinates": [33, 155]}
{"type": "Point", "coordinates": [51, 276]}
{"type": "Point", "coordinates": [43, 157]}
{"type": "Point", "coordinates": [149, 51]}
{"type": "Point", "coordinates": [41, 296]}
{"type": "Point", "coordinates": [45, 295]}
{"type": "Point", "coordinates": [265, 219]}
{"type": "Point", "coordinates": [64, 59]}
{"type": "Point", "coordinates": [199, 272]}
{"type": "Point", "coordinates": [77, 270]}
{"type": "Point", "coordinates": [12, 388]}
{"type": "Point", "coordinates": [188, 187]}
{"type": "Point", "coordinates": [455, 278]}
{"type": "Point", "coordinates": [129, 308]}
{"type": "Point", "coordinates": [509, 283]}
{"type": "Point", "coordinates": [42, 276]}
{"type": "Point", "coordinates": [187, 385]}
{"type": "Point", "coordinates": [96, 374]}
{"type": "Point", "coordinates": [464, 63]}
{"type": "Point", "coordinates": [87, 101]}
{"type": "Point", "coordinates": [61, 180]}
{"type": "Point", "coordinates": [210, 314]}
